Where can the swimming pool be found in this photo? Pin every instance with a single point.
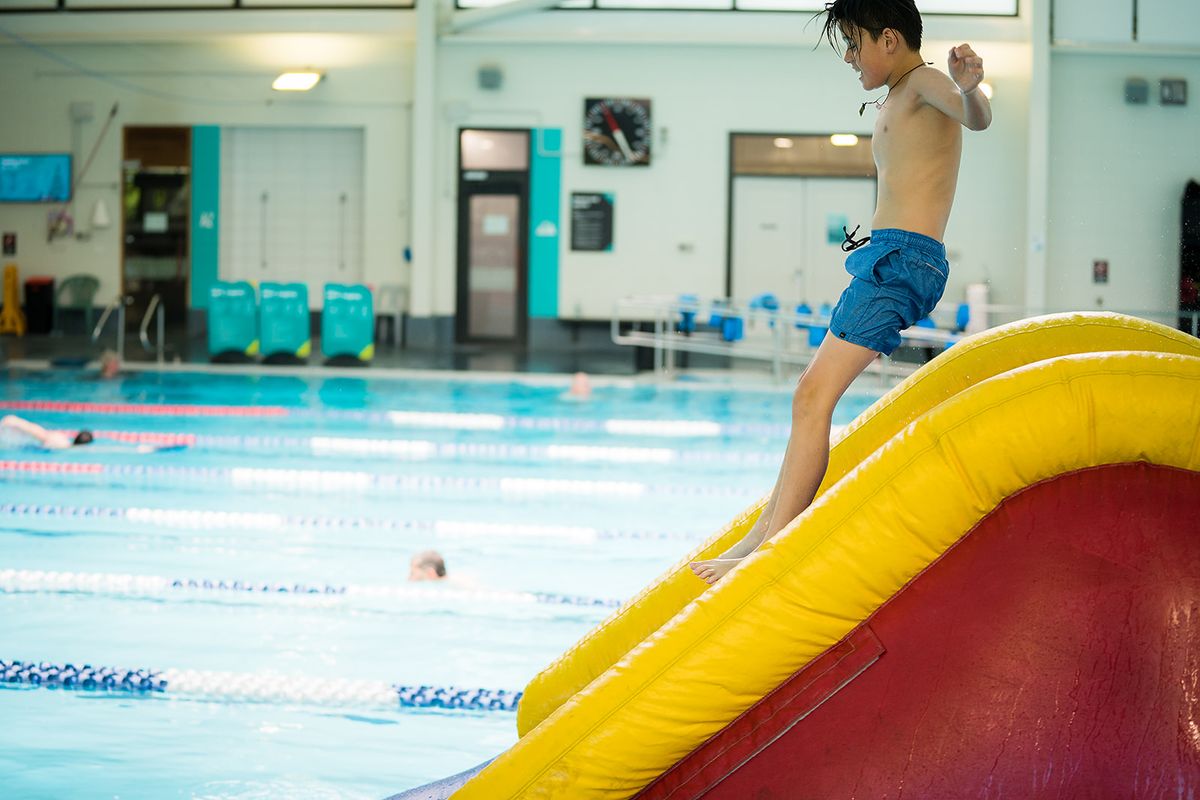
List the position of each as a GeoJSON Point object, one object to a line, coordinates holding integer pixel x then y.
{"type": "Point", "coordinates": [264, 565]}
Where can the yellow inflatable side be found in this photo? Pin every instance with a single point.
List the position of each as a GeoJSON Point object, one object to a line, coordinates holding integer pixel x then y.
{"type": "Point", "coordinates": [971, 361]}
{"type": "Point", "coordinates": [860, 543]}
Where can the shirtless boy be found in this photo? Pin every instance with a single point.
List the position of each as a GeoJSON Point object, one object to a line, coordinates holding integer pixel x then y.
{"type": "Point", "coordinates": [900, 275]}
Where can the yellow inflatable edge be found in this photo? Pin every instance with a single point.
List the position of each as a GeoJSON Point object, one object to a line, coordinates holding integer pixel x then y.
{"type": "Point", "coordinates": [855, 547]}
{"type": "Point", "coordinates": [970, 361]}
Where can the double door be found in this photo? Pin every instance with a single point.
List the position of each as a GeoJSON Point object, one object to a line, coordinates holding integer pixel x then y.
{"type": "Point", "coordinates": [787, 235]}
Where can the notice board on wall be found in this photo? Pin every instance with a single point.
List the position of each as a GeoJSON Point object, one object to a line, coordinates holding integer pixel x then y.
{"type": "Point", "coordinates": [592, 221]}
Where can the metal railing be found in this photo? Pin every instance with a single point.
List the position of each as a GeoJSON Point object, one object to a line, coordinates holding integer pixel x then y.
{"type": "Point", "coordinates": [154, 309]}
{"type": "Point", "coordinates": [118, 304]}
{"type": "Point", "coordinates": [776, 336]}
{"type": "Point", "coordinates": [780, 337]}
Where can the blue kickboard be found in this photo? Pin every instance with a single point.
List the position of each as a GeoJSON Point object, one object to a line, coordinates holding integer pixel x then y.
{"type": "Point", "coordinates": [232, 318]}
{"type": "Point", "coordinates": [348, 322]}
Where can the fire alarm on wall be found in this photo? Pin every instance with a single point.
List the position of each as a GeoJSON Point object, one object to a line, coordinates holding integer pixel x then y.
{"type": "Point", "coordinates": [490, 77]}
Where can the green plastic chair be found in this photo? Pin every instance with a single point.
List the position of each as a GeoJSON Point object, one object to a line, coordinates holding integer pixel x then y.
{"type": "Point", "coordinates": [76, 292]}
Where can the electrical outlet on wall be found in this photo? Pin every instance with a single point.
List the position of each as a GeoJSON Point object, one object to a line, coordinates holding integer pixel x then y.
{"type": "Point", "coordinates": [1173, 91]}
{"type": "Point", "coordinates": [1137, 91]}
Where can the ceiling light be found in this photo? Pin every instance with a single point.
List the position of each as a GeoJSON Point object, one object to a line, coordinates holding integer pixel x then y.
{"type": "Point", "coordinates": [296, 81]}
{"type": "Point", "coordinates": [987, 90]}
{"type": "Point", "coordinates": [784, 143]}
{"type": "Point", "coordinates": [843, 140]}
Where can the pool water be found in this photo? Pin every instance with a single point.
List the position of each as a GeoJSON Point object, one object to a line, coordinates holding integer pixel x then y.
{"type": "Point", "coordinates": [547, 511]}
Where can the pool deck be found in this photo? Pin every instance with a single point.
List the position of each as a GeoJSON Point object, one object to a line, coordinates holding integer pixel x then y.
{"type": "Point", "coordinates": [613, 365]}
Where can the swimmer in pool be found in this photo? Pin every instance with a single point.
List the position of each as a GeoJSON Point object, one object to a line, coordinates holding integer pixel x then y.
{"type": "Point", "coordinates": [15, 431]}
{"type": "Point", "coordinates": [427, 566]}
{"type": "Point", "coordinates": [900, 275]}
{"type": "Point", "coordinates": [430, 566]}
{"type": "Point", "coordinates": [580, 390]}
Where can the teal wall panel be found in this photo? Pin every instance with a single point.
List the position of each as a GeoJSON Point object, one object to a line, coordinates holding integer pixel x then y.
{"type": "Point", "coordinates": [206, 217]}
{"type": "Point", "coordinates": [545, 189]}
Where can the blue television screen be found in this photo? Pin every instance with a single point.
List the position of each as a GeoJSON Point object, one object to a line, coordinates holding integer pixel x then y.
{"type": "Point", "coordinates": [35, 177]}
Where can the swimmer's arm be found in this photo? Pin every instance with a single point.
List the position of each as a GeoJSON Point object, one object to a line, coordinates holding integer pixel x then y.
{"type": "Point", "coordinates": [959, 96]}
{"type": "Point", "coordinates": [45, 437]}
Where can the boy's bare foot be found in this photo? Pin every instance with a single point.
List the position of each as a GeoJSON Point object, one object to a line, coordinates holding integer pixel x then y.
{"type": "Point", "coordinates": [713, 570]}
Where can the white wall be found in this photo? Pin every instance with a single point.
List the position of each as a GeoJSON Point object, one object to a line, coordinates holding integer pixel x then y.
{"type": "Point", "coordinates": [671, 218]}
{"type": "Point", "coordinates": [1117, 174]}
{"type": "Point", "coordinates": [1113, 187]}
{"type": "Point", "coordinates": [216, 79]}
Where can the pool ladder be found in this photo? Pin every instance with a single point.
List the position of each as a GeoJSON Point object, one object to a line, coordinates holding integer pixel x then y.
{"type": "Point", "coordinates": [155, 310]}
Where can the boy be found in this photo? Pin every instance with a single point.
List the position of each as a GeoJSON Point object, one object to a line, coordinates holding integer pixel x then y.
{"type": "Point", "coordinates": [900, 276]}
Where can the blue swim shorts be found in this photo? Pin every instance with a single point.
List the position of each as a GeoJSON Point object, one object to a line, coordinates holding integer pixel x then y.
{"type": "Point", "coordinates": [896, 280]}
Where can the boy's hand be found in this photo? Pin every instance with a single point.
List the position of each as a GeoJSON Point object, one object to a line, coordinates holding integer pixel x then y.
{"type": "Point", "coordinates": [966, 68]}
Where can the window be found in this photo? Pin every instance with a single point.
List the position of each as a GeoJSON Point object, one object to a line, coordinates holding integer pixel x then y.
{"type": "Point", "coordinates": [193, 5]}
{"type": "Point", "coordinates": [998, 8]}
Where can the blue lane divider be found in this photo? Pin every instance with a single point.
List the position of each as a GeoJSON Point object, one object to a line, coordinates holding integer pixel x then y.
{"type": "Point", "coordinates": [551, 598]}
{"type": "Point", "coordinates": [194, 519]}
{"type": "Point", "coordinates": [26, 580]}
{"type": "Point", "coordinates": [302, 481]}
{"type": "Point", "coordinates": [252, 687]}
{"type": "Point", "coordinates": [425, 450]}
{"type": "Point", "coordinates": [86, 677]}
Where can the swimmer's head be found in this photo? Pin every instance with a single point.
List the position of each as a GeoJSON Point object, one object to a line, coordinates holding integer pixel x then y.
{"type": "Point", "coordinates": [849, 20]}
{"type": "Point", "coordinates": [83, 437]}
{"type": "Point", "coordinates": [110, 364]}
{"type": "Point", "coordinates": [427, 566]}
{"type": "Point", "coordinates": [581, 386]}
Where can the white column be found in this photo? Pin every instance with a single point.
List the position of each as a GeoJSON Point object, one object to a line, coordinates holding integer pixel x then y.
{"type": "Point", "coordinates": [1038, 201]}
{"type": "Point", "coordinates": [423, 201]}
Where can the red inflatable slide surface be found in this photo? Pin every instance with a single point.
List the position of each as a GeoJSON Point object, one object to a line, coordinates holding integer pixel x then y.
{"type": "Point", "coordinates": [1054, 652]}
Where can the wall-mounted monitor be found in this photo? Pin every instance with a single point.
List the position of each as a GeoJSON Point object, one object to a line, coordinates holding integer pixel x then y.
{"type": "Point", "coordinates": [35, 177]}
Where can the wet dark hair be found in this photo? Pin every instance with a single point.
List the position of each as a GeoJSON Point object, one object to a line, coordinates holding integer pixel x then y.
{"type": "Point", "coordinates": [872, 16]}
{"type": "Point", "coordinates": [431, 558]}
{"type": "Point", "coordinates": [83, 437]}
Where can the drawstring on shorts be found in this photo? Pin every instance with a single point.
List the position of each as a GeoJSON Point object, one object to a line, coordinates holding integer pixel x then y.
{"type": "Point", "coordinates": [851, 244]}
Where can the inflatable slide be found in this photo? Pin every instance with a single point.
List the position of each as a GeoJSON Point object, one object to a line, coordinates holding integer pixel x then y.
{"type": "Point", "coordinates": [996, 593]}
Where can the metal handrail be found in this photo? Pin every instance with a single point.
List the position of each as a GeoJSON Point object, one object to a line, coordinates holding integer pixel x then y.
{"type": "Point", "coordinates": [118, 304]}
{"type": "Point", "coordinates": [777, 347]}
{"type": "Point", "coordinates": [155, 306]}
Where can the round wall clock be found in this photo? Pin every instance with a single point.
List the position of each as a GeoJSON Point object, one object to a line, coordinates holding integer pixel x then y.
{"type": "Point", "coordinates": [616, 132]}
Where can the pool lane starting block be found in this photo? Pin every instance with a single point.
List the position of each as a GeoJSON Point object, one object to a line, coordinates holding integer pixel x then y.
{"type": "Point", "coordinates": [348, 324]}
{"type": "Point", "coordinates": [232, 322]}
{"type": "Point", "coordinates": [284, 319]}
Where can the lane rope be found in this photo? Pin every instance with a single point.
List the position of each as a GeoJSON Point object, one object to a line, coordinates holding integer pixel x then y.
{"type": "Point", "coordinates": [26, 580]}
{"type": "Point", "coordinates": [144, 409]}
{"type": "Point", "coordinates": [191, 519]}
{"type": "Point", "coordinates": [260, 687]}
{"type": "Point", "coordinates": [316, 480]}
{"type": "Point", "coordinates": [461, 421]}
{"type": "Point", "coordinates": [424, 450]}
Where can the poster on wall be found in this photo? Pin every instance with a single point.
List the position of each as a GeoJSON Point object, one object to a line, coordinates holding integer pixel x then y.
{"type": "Point", "coordinates": [592, 221]}
{"type": "Point", "coordinates": [835, 227]}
